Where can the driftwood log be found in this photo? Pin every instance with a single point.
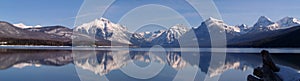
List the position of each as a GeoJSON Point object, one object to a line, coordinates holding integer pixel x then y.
{"type": "Point", "coordinates": [267, 71]}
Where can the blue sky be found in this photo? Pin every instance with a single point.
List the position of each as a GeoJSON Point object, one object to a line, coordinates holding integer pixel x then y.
{"type": "Point", "coordinates": [63, 12]}
{"type": "Point", "coordinates": [247, 11]}
{"type": "Point", "coordinates": [43, 12]}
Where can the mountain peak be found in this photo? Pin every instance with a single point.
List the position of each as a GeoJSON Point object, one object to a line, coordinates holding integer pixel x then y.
{"type": "Point", "coordinates": [264, 19]}
{"type": "Point", "coordinates": [243, 26]}
{"type": "Point", "coordinates": [102, 28]}
{"type": "Point", "coordinates": [212, 19]}
{"type": "Point", "coordinates": [264, 24]}
{"type": "Point", "coordinates": [292, 19]}
{"type": "Point", "coordinates": [179, 26]}
{"type": "Point", "coordinates": [288, 22]}
{"type": "Point", "coordinates": [103, 19]}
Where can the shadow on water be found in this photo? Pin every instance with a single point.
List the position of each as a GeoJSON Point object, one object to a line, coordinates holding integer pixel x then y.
{"type": "Point", "coordinates": [287, 59]}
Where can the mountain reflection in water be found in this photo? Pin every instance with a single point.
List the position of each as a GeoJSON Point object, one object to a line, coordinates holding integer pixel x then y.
{"type": "Point", "coordinates": [9, 57]}
{"type": "Point", "coordinates": [107, 62]}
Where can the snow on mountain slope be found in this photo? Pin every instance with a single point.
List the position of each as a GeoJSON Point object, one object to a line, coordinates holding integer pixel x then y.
{"type": "Point", "coordinates": [21, 25]}
{"type": "Point", "coordinates": [102, 28]}
{"type": "Point", "coordinates": [54, 30]}
{"type": "Point", "coordinates": [220, 25]}
{"type": "Point", "coordinates": [243, 28]}
{"type": "Point", "coordinates": [176, 31]}
{"type": "Point", "coordinates": [147, 36]}
{"type": "Point", "coordinates": [287, 22]}
{"type": "Point", "coordinates": [263, 24]}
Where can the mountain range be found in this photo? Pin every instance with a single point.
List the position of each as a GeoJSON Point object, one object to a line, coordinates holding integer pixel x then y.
{"type": "Point", "coordinates": [102, 32]}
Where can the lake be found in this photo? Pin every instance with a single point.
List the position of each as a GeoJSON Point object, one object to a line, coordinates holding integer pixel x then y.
{"type": "Point", "coordinates": [136, 64]}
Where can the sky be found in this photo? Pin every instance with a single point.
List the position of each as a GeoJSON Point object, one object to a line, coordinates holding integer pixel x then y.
{"type": "Point", "coordinates": [39, 12]}
{"type": "Point", "coordinates": [162, 12]}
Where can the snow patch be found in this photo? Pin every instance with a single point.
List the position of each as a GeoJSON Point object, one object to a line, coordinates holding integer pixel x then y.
{"type": "Point", "coordinates": [23, 26]}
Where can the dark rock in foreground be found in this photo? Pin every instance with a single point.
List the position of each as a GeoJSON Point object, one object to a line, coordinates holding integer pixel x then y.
{"type": "Point", "coordinates": [267, 71]}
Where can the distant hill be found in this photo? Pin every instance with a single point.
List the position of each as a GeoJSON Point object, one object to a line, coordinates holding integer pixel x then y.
{"type": "Point", "coordinates": [11, 35]}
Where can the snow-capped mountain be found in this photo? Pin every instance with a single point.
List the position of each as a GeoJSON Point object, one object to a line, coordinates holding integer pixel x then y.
{"type": "Point", "coordinates": [213, 25]}
{"type": "Point", "coordinates": [145, 38]}
{"type": "Point", "coordinates": [102, 28]}
{"type": "Point", "coordinates": [176, 32]}
{"type": "Point", "coordinates": [160, 37]}
{"type": "Point", "coordinates": [148, 36]}
{"type": "Point", "coordinates": [101, 31]}
{"type": "Point", "coordinates": [264, 24]}
{"type": "Point", "coordinates": [22, 25]}
{"type": "Point", "coordinates": [287, 22]}
{"type": "Point", "coordinates": [171, 35]}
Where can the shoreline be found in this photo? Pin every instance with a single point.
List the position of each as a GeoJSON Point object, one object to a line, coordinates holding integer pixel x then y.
{"type": "Point", "coordinates": [227, 50]}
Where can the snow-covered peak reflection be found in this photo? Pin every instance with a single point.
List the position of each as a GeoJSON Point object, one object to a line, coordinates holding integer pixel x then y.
{"type": "Point", "coordinates": [175, 60]}
{"type": "Point", "coordinates": [22, 65]}
{"type": "Point", "coordinates": [103, 62]}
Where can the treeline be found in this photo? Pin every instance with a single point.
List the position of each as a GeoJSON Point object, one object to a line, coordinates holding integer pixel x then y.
{"type": "Point", "coordinates": [34, 42]}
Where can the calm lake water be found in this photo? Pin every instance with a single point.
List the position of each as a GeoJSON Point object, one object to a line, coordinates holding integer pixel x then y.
{"type": "Point", "coordinates": [136, 64]}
